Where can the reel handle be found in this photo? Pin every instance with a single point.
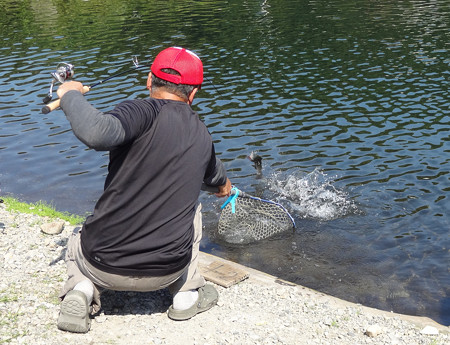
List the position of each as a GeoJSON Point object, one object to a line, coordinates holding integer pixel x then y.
{"type": "Point", "coordinates": [55, 104]}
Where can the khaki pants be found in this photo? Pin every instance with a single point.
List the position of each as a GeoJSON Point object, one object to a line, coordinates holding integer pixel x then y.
{"type": "Point", "coordinates": [78, 269]}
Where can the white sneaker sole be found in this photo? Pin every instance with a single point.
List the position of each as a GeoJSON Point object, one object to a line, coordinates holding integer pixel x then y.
{"type": "Point", "coordinates": [74, 313]}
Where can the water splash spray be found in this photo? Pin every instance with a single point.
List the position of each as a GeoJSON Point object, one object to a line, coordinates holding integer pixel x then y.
{"type": "Point", "coordinates": [312, 195]}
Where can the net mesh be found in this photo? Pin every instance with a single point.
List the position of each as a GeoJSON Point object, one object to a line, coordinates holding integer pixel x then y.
{"type": "Point", "coordinates": [253, 220]}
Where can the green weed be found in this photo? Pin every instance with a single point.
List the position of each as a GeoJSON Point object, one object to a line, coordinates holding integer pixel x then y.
{"type": "Point", "coordinates": [40, 209]}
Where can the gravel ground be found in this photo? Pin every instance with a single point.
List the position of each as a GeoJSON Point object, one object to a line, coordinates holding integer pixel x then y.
{"type": "Point", "coordinates": [259, 310]}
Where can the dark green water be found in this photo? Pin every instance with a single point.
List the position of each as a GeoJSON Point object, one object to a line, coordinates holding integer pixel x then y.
{"type": "Point", "coordinates": [346, 101]}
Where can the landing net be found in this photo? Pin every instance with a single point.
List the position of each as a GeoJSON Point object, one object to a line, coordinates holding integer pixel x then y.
{"type": "Point", "coordinates": [246, 219]}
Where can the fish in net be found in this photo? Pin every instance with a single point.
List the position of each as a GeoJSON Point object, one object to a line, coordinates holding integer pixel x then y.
{"type": "Point", "coordinates": [246, 219]}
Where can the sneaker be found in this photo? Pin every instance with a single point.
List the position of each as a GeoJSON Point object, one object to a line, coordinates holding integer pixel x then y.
{"type": "Point", "coordinates": [74, 313]}
{"type": "Point", "coordinates": [207, 298]}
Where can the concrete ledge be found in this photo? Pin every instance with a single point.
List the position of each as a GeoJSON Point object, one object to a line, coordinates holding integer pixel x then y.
{"type": "Point", "coordinates": [258, 277]}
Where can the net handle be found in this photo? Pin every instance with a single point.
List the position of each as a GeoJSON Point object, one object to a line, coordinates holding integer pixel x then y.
{"type": "Point", "coordinates": [232, 200]}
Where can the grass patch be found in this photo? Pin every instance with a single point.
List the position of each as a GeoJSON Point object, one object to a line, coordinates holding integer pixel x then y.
{"type": "Point", "coordinates": [40, 209]}
{"type": "Point", "coordinates": [8, 298]}
{"type": "Point", "coordinates": [9, 322]}
{"type": "Point", "coordinates": [8, 318]}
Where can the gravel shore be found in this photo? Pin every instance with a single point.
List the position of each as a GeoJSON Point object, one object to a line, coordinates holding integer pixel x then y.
{"type": "Point", "coordinates": [258, 310]}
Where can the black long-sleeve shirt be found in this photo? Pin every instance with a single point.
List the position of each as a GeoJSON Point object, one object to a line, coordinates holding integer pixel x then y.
{"type": "Point", "coordinates": [160, 154]}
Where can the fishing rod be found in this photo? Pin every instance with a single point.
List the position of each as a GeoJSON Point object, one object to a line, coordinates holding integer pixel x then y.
{"type": "Point", "coordinates": [65, 71]}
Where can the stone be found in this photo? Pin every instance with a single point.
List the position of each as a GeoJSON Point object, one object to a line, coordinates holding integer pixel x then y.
{"type": "Point", "coordinates": [429, 330]}
{"type": "Point", "coordinates": [53, 228]}
{"type": "Point", "coordinates": [373, 331]}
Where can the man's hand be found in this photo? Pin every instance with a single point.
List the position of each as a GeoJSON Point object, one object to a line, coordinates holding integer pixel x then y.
{"type": "Point", "coordinates": [71, 85]}
{"type": "Point", "coordinates": [224, 190]}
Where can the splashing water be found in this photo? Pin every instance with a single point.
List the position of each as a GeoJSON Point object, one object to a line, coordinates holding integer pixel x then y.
{"type": "Point", "coordinates": [312, 195]}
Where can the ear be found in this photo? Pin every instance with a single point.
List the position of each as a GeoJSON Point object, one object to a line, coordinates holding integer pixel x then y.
{"type": "Point", "coordinates": [192, 96]}
{"type": "Point", "coordinates": [149, 81]}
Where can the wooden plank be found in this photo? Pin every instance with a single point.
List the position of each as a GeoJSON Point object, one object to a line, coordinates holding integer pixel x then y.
{"type": "Point", "coordinates": [223, 274]}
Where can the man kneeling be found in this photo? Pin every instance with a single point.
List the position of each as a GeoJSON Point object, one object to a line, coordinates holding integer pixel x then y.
{"type": "Point", "coordinates": [146, 228]}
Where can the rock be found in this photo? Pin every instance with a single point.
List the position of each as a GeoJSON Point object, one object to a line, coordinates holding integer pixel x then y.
{"type": "Point", "coordinates": [429, 330]}
{"type": "Point", "coordinates": [53, 228]}
{"type": "Point", "coordinates": [373, 330]}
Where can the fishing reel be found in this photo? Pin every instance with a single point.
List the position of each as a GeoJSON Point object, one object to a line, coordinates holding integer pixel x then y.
{"type": "Point", "coordinates": [63, 72]}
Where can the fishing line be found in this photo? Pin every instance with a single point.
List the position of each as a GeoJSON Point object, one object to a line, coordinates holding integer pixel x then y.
{"type": "Point", "coordinates": [136, 64]}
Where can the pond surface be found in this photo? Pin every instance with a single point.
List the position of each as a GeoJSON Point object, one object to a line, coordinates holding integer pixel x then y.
{"type": "Point", "coordinates": [346, 102]}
